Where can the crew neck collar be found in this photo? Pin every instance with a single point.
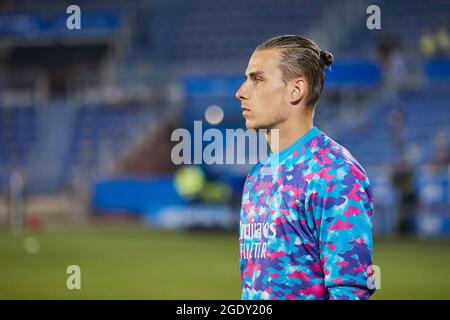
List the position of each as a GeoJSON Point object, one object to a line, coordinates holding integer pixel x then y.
{"type": "Point", "coordinates": [295, 146]}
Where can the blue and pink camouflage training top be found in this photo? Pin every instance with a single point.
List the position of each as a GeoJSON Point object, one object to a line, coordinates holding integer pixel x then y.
{"type": "Point", "coordinates": [306, 230]}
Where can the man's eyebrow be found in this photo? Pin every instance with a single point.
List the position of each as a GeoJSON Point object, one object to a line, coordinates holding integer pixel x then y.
{"type": "Point", "coordinates": [255, 74]}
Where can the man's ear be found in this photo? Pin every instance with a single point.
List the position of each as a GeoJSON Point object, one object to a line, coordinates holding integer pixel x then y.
{"type": "Point", "coordinates": [298, 90]}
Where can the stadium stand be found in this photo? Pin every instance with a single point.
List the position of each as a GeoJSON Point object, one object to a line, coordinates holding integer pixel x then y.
{"type": "Point", "coordinates": [382, 117]}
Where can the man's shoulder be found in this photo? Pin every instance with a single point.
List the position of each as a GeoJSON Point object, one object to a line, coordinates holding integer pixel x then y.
{"type": "Point", "coordinates": [329, 159]}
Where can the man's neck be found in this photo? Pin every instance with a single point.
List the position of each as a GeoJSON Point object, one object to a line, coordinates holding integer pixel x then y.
{"type": "Point", "coordinates": [282, 137]}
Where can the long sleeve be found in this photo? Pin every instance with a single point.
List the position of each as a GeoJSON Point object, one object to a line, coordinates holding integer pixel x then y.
{"type": "Point", "coordinates": [342, 205]}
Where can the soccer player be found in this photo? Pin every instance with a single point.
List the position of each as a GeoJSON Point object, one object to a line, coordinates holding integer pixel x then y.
{"type": "Point", "coordinates": [305, 228]}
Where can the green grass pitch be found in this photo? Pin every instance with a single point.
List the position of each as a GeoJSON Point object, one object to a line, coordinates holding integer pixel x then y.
{"type": "Point", "coordinates": [135, 263]}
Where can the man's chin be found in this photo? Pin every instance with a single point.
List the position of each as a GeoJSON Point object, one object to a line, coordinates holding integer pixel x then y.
{"type": "Point", "coordinates": [251, 125]}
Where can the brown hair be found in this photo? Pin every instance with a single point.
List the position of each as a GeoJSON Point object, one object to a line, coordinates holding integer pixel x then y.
{"type": "Point", "coordinates": [301, 57]}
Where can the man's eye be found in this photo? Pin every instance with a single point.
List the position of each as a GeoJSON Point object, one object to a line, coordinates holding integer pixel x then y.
{"type": "Point", "coordinates": [257, 80]}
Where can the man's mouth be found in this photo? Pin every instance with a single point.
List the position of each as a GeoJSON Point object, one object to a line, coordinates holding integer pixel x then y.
{"type": "Point", "coordinates": [245, 111]}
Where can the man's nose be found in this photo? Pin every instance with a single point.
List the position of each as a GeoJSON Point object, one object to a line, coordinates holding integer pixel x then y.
{"type": "Point", "coordinates": [241, 93]}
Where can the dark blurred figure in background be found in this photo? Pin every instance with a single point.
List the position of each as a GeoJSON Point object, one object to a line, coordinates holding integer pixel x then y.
{"type": "Point", "coordinates": [391, 58]}
{"type": "Point", "coordinates": [440, 161]}
{"type": "Point", "coordinates": [442, 39]}
{"type": "Point", "coordinates": [386, 45]}
{"type": "Point", "coordinates": [397, 121]}
{"type": "Point", "coordinates": [402, 179]}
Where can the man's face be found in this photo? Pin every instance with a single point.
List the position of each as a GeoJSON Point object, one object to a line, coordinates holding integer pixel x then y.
{"type": "Point", "coordinates": [264, 95]}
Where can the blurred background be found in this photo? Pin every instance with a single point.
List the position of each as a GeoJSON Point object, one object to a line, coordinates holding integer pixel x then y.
{"type": "Point", "coordinates": [86, 117]}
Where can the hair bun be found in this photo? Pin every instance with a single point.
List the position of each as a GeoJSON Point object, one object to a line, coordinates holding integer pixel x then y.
{"type": "Point", "coordinates": [326, 57]}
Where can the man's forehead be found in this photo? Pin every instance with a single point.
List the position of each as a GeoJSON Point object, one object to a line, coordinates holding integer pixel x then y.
{"type": "Point", "coordinates": [263, 61]}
